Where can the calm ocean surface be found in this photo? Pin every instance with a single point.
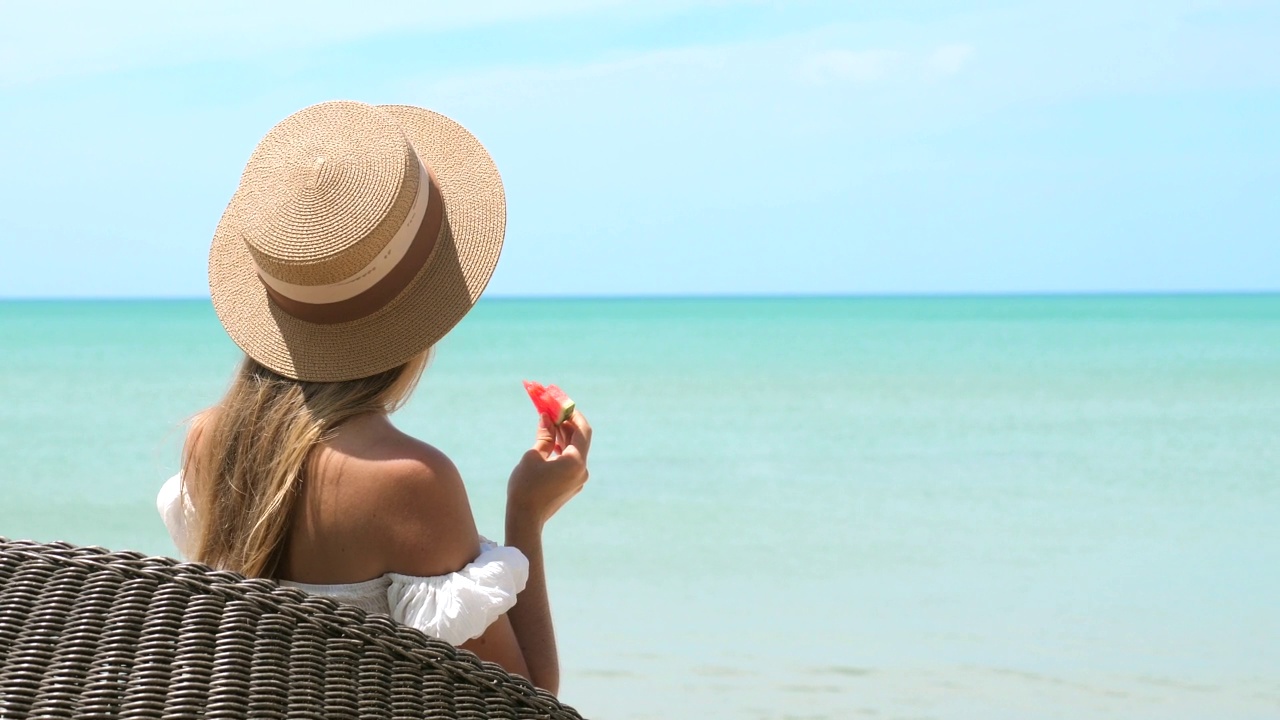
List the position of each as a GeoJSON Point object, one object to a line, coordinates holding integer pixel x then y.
{"type": "Point", "coordinates": [809, 508]}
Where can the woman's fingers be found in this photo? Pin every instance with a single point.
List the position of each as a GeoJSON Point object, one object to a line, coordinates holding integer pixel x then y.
{"type": "Point", "coordinates": [579, 434]}
{"type": "Point", "coordinates": [557, 439]}
{"type": "Point", "coordinates": [546, 440]}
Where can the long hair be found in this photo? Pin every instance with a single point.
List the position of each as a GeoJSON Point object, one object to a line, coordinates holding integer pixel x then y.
{"type": "Point", "coordinates": [244, 463]}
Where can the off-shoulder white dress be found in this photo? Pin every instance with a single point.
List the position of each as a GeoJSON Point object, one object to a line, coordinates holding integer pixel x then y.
{"type": "Point", "coordinates": [455, 607]}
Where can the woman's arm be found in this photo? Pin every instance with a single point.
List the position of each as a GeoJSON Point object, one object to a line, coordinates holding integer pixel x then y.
{"type": "Point", "coordinates": [498, 644]}
{"type": "Point", "coordinates": [425, 524]}
{"type": "Point", "coordinates": [531, 616]}
{"type": "Point", "coordinates": [539, 486]}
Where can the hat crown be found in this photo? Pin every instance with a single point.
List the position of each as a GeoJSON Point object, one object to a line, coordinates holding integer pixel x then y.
{"type": "Point", "coordinates": [325, 191]}
{"type": "Point", "coordinates": [291, 218]}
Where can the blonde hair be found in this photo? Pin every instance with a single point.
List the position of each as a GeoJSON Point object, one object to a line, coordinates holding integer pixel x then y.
{"type": "Point", "coordinates": [245, 460]}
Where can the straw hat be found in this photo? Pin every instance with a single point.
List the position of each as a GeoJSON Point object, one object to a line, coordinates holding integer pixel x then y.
{"type": "Point", "coordinates": [358, 237]}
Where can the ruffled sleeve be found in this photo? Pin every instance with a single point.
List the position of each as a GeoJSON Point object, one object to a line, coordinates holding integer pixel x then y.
{"type": "Point", "coordinates": [460, 606]}
{"type": "Point", "coordinates": [176, 510]}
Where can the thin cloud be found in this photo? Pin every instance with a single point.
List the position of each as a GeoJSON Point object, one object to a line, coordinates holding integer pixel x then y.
{"type": "Point", "coordinates": [859, 66]}
{"type": "Point", "coordinates": [65, 38]}
{"type": "Point", "coordinates": [866, 67]}
{"type": "Point", "coordinates": [949, 59]}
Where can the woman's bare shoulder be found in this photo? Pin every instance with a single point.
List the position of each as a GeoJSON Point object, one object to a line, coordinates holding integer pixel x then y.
{"type": "Point", "coordinates": [413, 505]}
{"type": "Point", "coordinates": [393, 465]}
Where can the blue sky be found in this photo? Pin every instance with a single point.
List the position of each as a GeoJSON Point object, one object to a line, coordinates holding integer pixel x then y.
{"type": "Point", "coordinates": [677, 146]}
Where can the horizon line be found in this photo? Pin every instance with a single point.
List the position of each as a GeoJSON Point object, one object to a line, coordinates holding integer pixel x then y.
{"type": "Point", "coordinates": [729, 296]}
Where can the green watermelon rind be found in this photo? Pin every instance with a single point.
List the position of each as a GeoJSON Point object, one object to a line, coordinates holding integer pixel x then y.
{"type": "Point", "coordinates": [566, 412]}
{"type": "Point", "coordinates": [549, 396]}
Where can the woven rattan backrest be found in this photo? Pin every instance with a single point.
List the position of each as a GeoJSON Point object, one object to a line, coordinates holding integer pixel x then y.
{"type": "Point", "coordinates": [89, 633]}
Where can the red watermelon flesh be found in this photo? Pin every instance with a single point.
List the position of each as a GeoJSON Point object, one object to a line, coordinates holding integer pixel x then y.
{"type": "Point", "coordinates": [536, 391]}
{"type": "Point", "coordinates": [550, 400]}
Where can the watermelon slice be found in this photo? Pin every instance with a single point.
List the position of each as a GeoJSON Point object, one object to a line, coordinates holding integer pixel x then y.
{"type": "Point", "coordinates": [550, 400]}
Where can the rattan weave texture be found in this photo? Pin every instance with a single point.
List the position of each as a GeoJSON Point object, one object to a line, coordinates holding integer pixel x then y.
{"type": "Point", "coordinates": [92, 633]}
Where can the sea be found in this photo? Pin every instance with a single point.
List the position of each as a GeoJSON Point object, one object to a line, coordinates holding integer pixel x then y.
{"type": "Point", "coordinates": [818, 508]}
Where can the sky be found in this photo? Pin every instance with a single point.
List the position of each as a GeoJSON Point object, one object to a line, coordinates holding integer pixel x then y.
{"type": "Point", "coordinates": [680, 147]}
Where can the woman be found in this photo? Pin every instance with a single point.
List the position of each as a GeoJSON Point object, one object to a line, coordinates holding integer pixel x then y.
{"type": "Point", "coordinates": [357, 238]}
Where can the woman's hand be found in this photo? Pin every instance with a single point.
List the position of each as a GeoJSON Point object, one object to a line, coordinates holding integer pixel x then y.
{"type": "Point", "coordinates": [551, 472]}
{"type": "Point", "coordinates": [547, 476]}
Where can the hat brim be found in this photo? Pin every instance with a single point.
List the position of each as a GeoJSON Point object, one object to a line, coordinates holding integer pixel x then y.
{"type": "Point", "coordinates": [438, 297]}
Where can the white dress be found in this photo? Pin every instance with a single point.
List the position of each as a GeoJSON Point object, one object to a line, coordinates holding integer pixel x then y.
{"type": "Point", "coordinates": [455, 607]}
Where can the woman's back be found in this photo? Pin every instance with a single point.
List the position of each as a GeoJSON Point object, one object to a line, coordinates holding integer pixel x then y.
{"type": "Point", "coordinates": [381, 521]}
{"type": "Point", "coordinates": [374, 501]}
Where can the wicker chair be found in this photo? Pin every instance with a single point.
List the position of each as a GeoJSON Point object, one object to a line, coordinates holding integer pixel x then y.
{"type": "Point", "coordinates": [90, 633]}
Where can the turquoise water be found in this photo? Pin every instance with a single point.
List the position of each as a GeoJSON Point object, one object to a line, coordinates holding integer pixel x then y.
{"type": "Point", "coordinates": [808, 508]}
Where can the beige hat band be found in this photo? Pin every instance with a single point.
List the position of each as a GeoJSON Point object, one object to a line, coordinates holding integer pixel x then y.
{"type": "Point", "coordinates": [368, 276]}
{"type": "Point", "coordinates": [417, 241]}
